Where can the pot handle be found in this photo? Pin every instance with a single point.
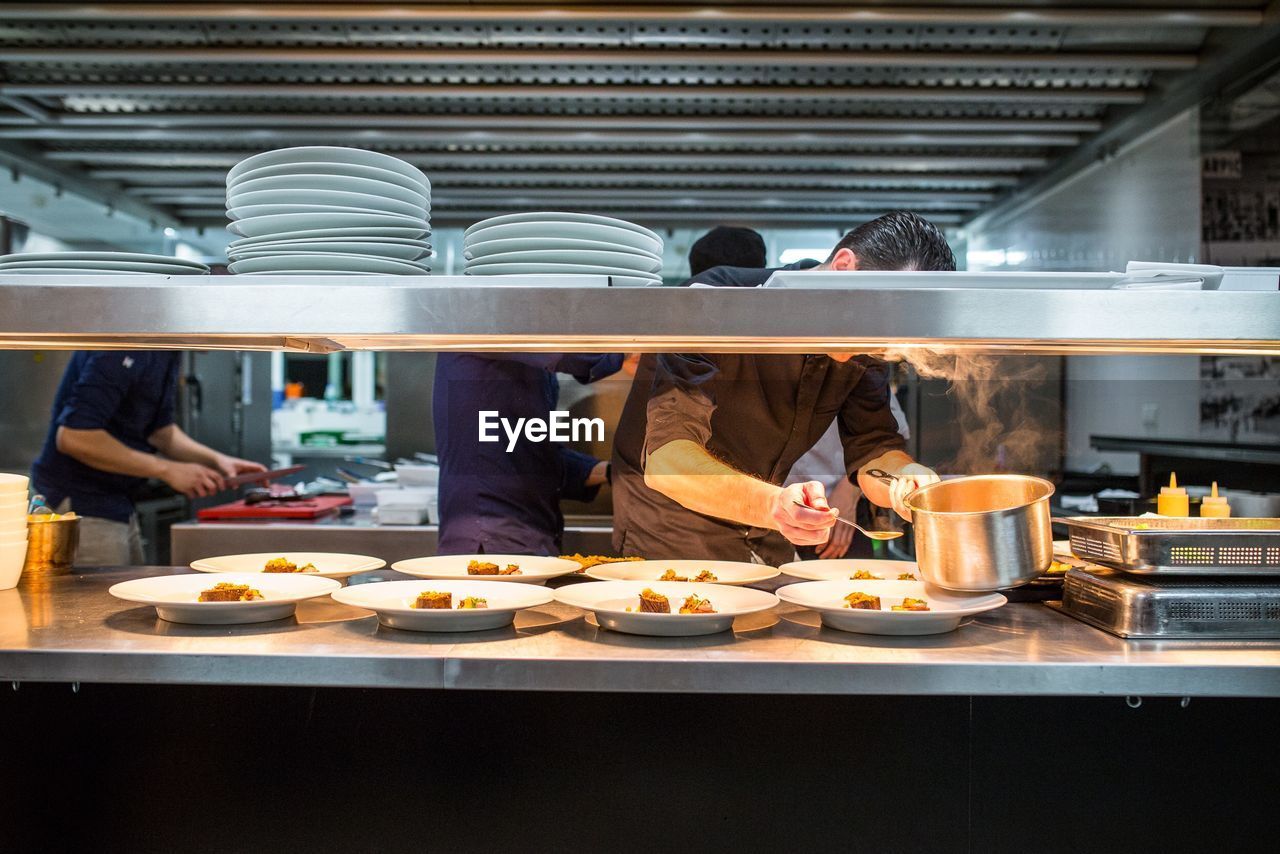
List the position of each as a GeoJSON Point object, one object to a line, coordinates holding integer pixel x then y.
{"type": "Point", "coordinates": [887, 479]}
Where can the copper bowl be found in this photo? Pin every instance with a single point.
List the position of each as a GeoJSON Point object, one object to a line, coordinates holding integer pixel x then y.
{"type": "Point", "coordinates": [51, 547]}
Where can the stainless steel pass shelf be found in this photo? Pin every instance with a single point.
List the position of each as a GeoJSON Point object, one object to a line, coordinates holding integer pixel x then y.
{"type": "Point", "coordinates": [524, 314]}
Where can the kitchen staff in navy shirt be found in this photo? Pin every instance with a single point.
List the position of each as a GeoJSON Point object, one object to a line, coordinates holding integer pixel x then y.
{"type": "Point", "coordinates": [112, 428]}
{"type": "Point", "coordinates": [492, 501]}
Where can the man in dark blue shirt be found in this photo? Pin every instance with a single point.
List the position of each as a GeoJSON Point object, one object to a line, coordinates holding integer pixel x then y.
{"type": "Point", "coordinates": [491, 500]}
{"type": "Point", "coordinates": [112, 429]}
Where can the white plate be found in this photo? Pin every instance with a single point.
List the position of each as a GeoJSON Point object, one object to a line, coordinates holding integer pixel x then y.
{"type": "Point", "coordinates": [280, 224]}
{"type": "Point", "coordinates": [65, 271]}
{"type": "Point", "coordinates": [640, 262]}
{"type": "Point", "coordinates": [946, 609]}
{"type": "Point", "coordinates": [353, 170]}
{"type": "Point", "coordinates": [565, 230]}
{"type": "Point", "coordinates": [562, 216]}
{"type": "Point", "coordinates": [499, 269]}
{"type": "Point", "coordinates": [122, 266]}
{"type": "Point", "coordinates": [537, 244]}
{"type": "Point", "coordinates": [331, 261]}
{"type": "Point", "coordinates": [176, 597]}
{"type": "Point", "coordinates": [533, 569]}
{"type": "Point", "coordinates": [609, 601]}
{"type": "Point", "coordinates": [843, 569]}
{"type": "Point", "coordinates": [330, 273]}
{"type": "Point", "coordinates": [380, 233]}
{"type": "Point", "coordinates": [393, 601]}
{"type": "Point", "coordinates": [303, 199]}
{"type": "Point", "coordinates": [728, 572]}
{"type": "Point", "coordinates": [341, 183]}
{"type": "Point", "coordinates": [248, 211]}
{"type": "Point", "coordinates": [139, 257]}
{"type": "Point", "coordinates": [408, 251]}
{"type": "Point", "coordinates": [327, 154]}
{"type": "Point", "coordinates": [327, 564]}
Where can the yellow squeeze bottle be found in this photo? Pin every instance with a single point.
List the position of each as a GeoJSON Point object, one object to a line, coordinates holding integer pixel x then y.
{"type": "Point", "coordinates": [1173, 499]}
{"type": "Point", "coordinates": [1214, 505]}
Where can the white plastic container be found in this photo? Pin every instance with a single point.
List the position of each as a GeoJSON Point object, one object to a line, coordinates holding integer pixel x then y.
{"type": "Point", "coordinates": [412, 475]}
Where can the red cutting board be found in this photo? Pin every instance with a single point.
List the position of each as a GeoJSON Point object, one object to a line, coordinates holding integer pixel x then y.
{"type": "Point", "coordinates": [313, 508]}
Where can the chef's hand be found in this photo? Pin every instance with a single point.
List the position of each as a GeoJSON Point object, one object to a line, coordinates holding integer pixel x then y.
{"type": "Point", "coordinates": [910, 478]}
{"type": "Point", "coordinates": [191, 479]}
{"type": "Point", "coordinates": [809, 525]}
{"type": "Point", "coordinates": [844, 497]}
{"type": "Point", "coordinates": [232, 466]}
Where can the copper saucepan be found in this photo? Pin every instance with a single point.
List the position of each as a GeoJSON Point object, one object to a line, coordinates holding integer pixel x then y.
{"type": "Point", "coordinates": [981, 532]}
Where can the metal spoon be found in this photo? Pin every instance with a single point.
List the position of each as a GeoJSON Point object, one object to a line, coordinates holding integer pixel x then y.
{"type": "Point", "coordinates": [874, 535]}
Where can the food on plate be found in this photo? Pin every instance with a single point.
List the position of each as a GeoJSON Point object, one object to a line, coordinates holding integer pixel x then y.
{"type": "Point", "coordinates": [907, 576]}
{"type": "Point", "coordinates": [475, 567]}
{"type": "Point", "coordinates": [670, 575]}
{"type": "Point", "coordinates": [862, 601]}
{"type": "Point", "coordinates": [654, 603]}
{"type": "Point", "coordinates": [471, 602]}
{"type": "Point", "coordinates": [909, 604]}
{"type": "Point", "coordinates": [1057, 567]}
{"type": "Point", "coordinates": [585, 562]}
{"type": "Point", "coordinates": [696, 604]}
{"type": "Point", "coordinates": [863, 575]}
{"type": "Point", "coordinates": [225, 591]}
{"type": "Point", "coordinates": [434, 601]}
{"type": "Point", "coordinates": [280, 564]}
{"type": "Point", "coordinates": [706, 576]}
{"type": "Point", "coordinates": [512, 569]}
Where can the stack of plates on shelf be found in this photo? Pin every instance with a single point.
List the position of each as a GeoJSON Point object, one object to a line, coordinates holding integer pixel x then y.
{"type": "Point", "coordinates": [96, 264]}
{"type": "Point", "coordinates": [559, 244]}
{"type": "Point", "coordinates": [320, 210]}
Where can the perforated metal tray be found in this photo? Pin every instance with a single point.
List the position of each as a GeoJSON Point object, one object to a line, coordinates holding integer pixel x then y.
{"type": "Point", "coordinates": [1140, 607]}
{"type": "Point", "coordinates": [1149, 545]}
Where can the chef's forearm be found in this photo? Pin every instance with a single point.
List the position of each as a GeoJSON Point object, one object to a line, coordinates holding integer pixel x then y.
{"type": "Point", "coordinates": [99, 450]}
{"type": "Point", "coordinates": [175, 444]}
{"type": "Point", "coordinates": [876, 490]}
{"type": "Point", "coordinates": [689, 475]}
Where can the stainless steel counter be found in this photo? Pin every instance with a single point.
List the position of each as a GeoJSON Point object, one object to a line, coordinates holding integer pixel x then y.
{"type": "Point", "coordinates": [72, 630]}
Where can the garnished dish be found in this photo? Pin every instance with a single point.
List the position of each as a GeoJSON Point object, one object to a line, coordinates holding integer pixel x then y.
{"type": "Point", "coordinates": [227, 592]}
{"type": "Point", "coordinates": [670, 575]}
{"type": "Point", "coordinates": [476, 567]}
{"type": "Point", "coordinates": [851, 569]}
{"type": "Point", "coordinates": [864, 575]}
{"type": "Point", "coordinates": [909, 604]}
{"type": "Point", "coordinates": [696, 604]}
{"type": "Point", "coordinates": [887, 607]}
{"type": "Point", "coordinates": [522, 569]}
{"type": "Point", "coordinates": [706, 577]}
{"type": "Point", "coordinates": [865, 601]}
{"type": "Point", "coordinates": [907, 576]}
{"type": "Point", "coordinates": [283, 564]}
{"type": "Point", "coordinates": [585, 562]}
{"type": "Point", "coordinates": [726, 572]}
{"type": "Point", "coordinates": [434, 600]}
{"type": "Point", "coordinates": [448, 605]}
{"type": "Point", "coordinates": [470, 603]}
{"type": "Point", "coordinates": [654, 603]}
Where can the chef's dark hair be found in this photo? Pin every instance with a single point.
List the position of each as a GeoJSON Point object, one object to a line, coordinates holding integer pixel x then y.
{"type": "Point", "coordinates": [899, 240]}
{"type": "Point", "coordinates": [726, 246]}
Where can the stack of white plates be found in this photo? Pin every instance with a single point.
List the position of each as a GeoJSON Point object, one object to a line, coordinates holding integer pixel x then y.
{"type": "Point", "coordinates": [557, 243]}
{"type": "Point", "coordinates": [320, 210]}
{"type": "Point", "coordinates": [96, 264]}
{"type": "Point", "coordinates": [13, 528]}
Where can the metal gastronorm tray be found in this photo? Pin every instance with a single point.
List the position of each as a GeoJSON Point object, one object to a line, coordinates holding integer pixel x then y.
{"type": "Point", "coordinates": [1194, 546]}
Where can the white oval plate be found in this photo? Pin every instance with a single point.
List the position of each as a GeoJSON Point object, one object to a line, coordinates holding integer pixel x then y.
{"type": "Point", "coordinates": [75, 271]}
{"type": "Point", "coordinates": [538, 244]}
{"type": "Point", "coordinates": [330, 273]}
{"type": "Point", "coordinates": [339, 169]}
{"type": "Point", "coordinates": [136, 257]}
{"type": "Point", "coordinates": [279, 224]}
{"type": "Point", "coordinates": [477, 269]}
{"type": "Point", "coordinates": [565, 230]}
{"type": "Point", "coordinates": [326, 261]}
{"type": "Point", "coordinates": [727, 572]}
{"type": "Point", "coordinates": [248, 211]}
{"type": "Point", "coordinates": [946, 609]}
{"type": "Point", "coordinates": [327, 564]}
{"type": "Point", "coordinates": [609, 601]}
{"type": "Point", "coordinates": [534, 569]}
{"type": "Point", "coordinates": [297, 198]}
{"type": "Point", "coordinates": [398, 251]}
{"type": "Point", "coordinates": [176, 597]}
{"type": "Point", "coordinates": [122, 266]}
{"type": "Point", "coordinates": [340, 183]}
{"type": "Point", "coordinates": [379, 233]}
{"type": "Point", "coordinates": [640, 262]}
{"type": "Point", "coordinates": [327, 154]}
{"type": "Point", "coordinates": [842, 569]}
{"type": "Point", "coordinates": [393, 602]}
{"type": "Point", "coordinates": [561, 216]}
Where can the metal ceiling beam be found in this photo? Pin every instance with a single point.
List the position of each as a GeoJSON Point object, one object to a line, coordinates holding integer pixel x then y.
{"type": "Point", "coordinates": [471, 121]}
{"type": "Point", "coordinates": [664, 218]}
{"type": "Point", "coordinates": [586, 135]}
{"type": "Point", "coordinates": [442, 197]}
{"type": "Point", "coordinates": [629, 56]}
{"type": "Point", "coordinates": [1234, 15]}
{"type": "Point", "coordinates": [712, 160]}
{"type": "Point", "coordinates": [505, 92]}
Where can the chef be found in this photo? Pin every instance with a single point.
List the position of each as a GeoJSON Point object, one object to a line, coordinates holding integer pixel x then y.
{"type": "Point", "coordinates": [707, 440]}
{"type": "Point", "coordinates": [494, 500]}
{"type": "Point", "coordinates": [112, 429]}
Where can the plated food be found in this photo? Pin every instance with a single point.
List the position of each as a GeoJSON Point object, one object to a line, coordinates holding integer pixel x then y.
{"type": "Point", "coordinates": [252, 597]}
{"type": "Point", "coordinates": [726, 572]}
{"type": "Point", "coordinates": [529, 569]}
{"type": "Point", "coordinates": [321, 564]}
{"type": "Point", "coordinates": [645, 607]}
{"type": "Point", "coordinates": [888, 607]}
{"type": "Point", "coordinates": [852, 569]}
{"type": "Point", "coordinates": [445, 605]}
